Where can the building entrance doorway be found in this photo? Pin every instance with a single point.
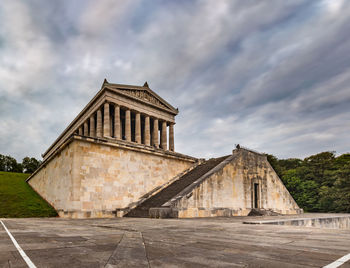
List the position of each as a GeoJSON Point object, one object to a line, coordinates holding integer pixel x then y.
{"type": "Point", "coordinates": [256, 195]}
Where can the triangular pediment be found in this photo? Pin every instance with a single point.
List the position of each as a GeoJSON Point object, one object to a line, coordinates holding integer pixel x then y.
{"type": "Point", "coordinates": [144, 94]}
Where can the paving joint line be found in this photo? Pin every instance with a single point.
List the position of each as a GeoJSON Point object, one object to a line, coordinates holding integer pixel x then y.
{"type": "Point", "coordinates": [144, 245]}
{"type": "Point", "coordinates": [116, 248]}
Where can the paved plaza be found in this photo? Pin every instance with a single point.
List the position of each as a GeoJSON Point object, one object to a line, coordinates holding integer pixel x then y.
{"type": "Point", "coordinates": [140, 242]}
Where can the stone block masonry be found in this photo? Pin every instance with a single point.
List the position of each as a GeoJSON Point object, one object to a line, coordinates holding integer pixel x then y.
{"type": "Point", "coordinates": [94, 178]}
{"type": "Point", "coordinates": [242, 182]}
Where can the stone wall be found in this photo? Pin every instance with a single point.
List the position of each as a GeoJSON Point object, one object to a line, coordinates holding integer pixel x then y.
{"type": "Point", "coordinates": [228, 190]}
{"type": "Point", "coordinates": [54, 180]}
{"type": "Point", "coordinates": [91, 179]}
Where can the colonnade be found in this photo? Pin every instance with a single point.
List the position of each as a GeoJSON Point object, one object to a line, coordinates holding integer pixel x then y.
{"type": "Point", "coordinates": [113, 121]}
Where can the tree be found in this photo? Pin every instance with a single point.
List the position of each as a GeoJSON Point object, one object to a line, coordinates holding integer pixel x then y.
{"type": "Point", "coordinates": [319, 183]}
{"type": "Point", "coordinates": [30, 164]}
{"type": "Point", "coordinates": [342, 189]}
{"type": "Point", "coordinates": [9, 164]}
{"type": "Point", "coordinates": [2, 162]}
{"type": "Point", "coordinates": [290, 163]}
{"type": "Point", "coordinates": [281, 166]}
{"type": "Point", "coordinates": [319, 168]}
{"type": "Point", "coordinates": [305, 192]}
{"type": "Point", "coordinates": [274, 162]}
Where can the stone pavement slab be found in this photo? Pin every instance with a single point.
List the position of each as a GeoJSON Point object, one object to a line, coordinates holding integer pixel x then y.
{"type": "Point", "coordinates": [139, 242]}
{"type": "Point", "coordinates": [129, 252]}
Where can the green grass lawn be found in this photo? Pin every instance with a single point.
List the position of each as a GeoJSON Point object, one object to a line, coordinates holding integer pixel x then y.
{"type": "Point", "coordinates": [19, 200]}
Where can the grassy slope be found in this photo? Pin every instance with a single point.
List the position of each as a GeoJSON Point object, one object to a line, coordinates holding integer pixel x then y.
{"type": "Point", "coordinates": [19, 200]}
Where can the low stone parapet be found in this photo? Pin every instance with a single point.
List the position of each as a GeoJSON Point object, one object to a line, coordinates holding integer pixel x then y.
{"type": "Point", "coordinates": [328, 222]}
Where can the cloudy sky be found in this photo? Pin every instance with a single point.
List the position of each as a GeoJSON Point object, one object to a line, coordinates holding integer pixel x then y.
{"type": "Point", "coordinates": [273, 76]}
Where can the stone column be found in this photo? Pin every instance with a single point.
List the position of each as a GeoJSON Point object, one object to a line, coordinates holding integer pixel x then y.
{"type": "Point", "coordinates": [117, 121]}
{"type": "Point", "coordinates": [106, 123]}
{"type": "Point", "coordinates": [92, 126]}
{"type": "Point", "coordinates": [147, 133]}
{"type": "Point", "coordinates": [111, 121]}
{"type": "Point", "coordinates": [99, 124]}
{"type": "Point", "coordinates": [155, 133]}
{"type": "Point", "coordinates": [127, 125]}
{"type": "Point", "coordinates": [171, 137]}
{"type": "Point", "coordinates": [86, 129]}
{"type": "Point", "coordinates": [80, 130]}
{"type": "Point", "coordinates": [164, 137]}
{"type": "Point", "coordinates": [138, 128]}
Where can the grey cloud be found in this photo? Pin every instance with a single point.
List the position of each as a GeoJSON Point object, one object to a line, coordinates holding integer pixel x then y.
{"type": "Point", "coordinates": [270, 75]}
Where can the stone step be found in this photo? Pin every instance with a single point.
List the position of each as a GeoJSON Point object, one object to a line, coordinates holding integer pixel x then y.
{"type": "Point", "coordinates": [262, 212]}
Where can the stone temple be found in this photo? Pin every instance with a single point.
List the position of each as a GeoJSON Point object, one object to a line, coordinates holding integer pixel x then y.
{"type": "Point", "coordinates": [117, 158]}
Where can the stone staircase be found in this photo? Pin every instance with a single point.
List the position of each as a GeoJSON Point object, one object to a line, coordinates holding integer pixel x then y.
{"type": "Point", "coordinates": [165, 195]}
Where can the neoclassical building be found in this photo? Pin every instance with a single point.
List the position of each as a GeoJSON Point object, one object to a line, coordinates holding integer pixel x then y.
{"type": "Point", "coordinates": [123, 112]}
{"type": "Point", "coordinates": [117, 158]}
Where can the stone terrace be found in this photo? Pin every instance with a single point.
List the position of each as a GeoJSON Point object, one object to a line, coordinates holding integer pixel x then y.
{"type": "Point", "coordinates": [139, 242]}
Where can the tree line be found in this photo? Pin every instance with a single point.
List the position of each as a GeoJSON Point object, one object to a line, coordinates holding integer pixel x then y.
{"type": "Point", "coordinates": [10, 164]}
{"type": "Point", "coordinates": [319, 183]}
